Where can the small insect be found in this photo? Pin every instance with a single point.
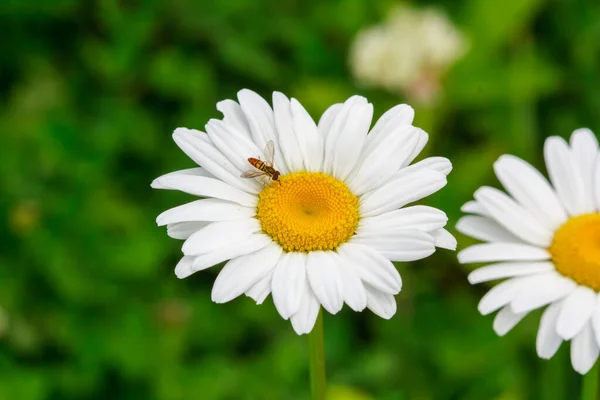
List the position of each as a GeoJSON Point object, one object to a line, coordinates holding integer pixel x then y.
{"type": "Point", "coordinates": [263, 168]}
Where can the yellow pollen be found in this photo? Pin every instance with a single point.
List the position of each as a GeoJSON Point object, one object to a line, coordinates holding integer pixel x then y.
{"type": "Point", "coordinates": [308, 211]}
{"type": "Point", "coordinates": [575, 250]}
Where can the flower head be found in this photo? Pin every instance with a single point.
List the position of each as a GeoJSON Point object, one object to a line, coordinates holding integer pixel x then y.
{"type": "Point", "coordinates": [544, 240]}
{"type": "Point", "coordinates": [408, 53]}
{"type": "Point", "coordinates": [325, 230]}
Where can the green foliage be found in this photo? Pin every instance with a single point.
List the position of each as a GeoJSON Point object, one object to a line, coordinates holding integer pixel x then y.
{"type": "Point", "coordinates": [90, 92]}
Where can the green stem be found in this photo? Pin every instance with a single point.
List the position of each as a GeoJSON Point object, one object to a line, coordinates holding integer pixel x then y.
{"type": "Point", "coordinates": [589, 384]}
{"type": "Point", "coordinates": [316, 351]}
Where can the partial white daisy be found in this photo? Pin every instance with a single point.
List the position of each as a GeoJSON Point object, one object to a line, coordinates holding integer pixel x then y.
{"type": "Point", "coordinates": [327, 231]}
{"type": "Point", "coordinates": [544, 240]}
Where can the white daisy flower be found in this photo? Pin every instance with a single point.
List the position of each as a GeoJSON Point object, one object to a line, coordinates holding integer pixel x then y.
{"type": "Point", "coordinates": [327, 230]}
{"type": "Point", "coordinates": [545, 240]}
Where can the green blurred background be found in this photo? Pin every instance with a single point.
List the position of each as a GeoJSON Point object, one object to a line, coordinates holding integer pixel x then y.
{"type": "Point", "coordinates": [90, 92]}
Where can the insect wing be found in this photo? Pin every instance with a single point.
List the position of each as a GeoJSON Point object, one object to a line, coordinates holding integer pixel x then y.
{"type": "Point", "coordinates": [252, 173]}
{"type": "Point", "coordinates": [269, 152]}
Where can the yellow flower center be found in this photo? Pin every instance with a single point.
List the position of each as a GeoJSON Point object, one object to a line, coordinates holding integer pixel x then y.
{"type": "Point", "coordinates": [575, 250]}
{"type": "Point", "coordinates": [308, 211]}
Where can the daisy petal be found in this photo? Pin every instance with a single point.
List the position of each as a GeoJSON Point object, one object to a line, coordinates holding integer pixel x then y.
{"type": "Point", "coordinates": [596, 319]}
{"type": "Point", "coordinates": [421, 218]}
{"type": "Point", "coordinates": [183, 230]}
{"type": "Point", "coordinates": [415, 150]}
{"type": "Point", "coordinates": [310, 142]}
{"type": "Point", "coordinates": [596, 183]}
{"type": "Point", "coordinates": [332, 127]}
{"type": "Point", "coordinates": [261, 121]}
{"type": "Point", "coordinates": [288, 285]}
{"type": "Point", "coordinates": [500, 295]}
{"type": "Point", "coordinates": [199, 171]}
{"type": "Point", "coordinates": [372, 268]}
{"type": "Point", "coordinates": [199, 148]}
{"type": "Point", "coordinates": [400, 115]}
{"type": "Point", "coordinates": [405, 245]}
{"type": "Point", "coordinates": [485, 229]}
{"type": "Point", "coordinates": [183, 269]}
{"type": "Point", "coordinates": [505, 320]}
{"type": "Point", "coordinates": [403, 189]}
{"type": "Point", "coordinates": [304, 320]}
{"type": "Point", "coordinates": [325, 281]}
{"type": "Point", "coordinates": [565, 176]}
{"type": "Point", "coordinates": [205, 210]}
{"type": "Point", "coordinates": [584, 350]}
{"type": "Point", "coordinates": [392, 126]}
{"type": "Point", "coordinates": [508, 270]}
{"type": "Point", "coordinates": [232, 250]}
{"type": "Point", "coordinates": [490, 252]}
{"type": "Point", "coordinates": [234, 116]}
{"type": "Point", "coordinates": [548, 341]}
{"type": "Point", "coordinates": [407, 255]}
{"type": "Point", "coordinates": [327, 118]}
{"type": "Point", "coordinates": [219, 234]}
{"type": "Point", "coordinates": [439, 164]}
{"type": "Point", "coordinates": [234, 145]}
{"type": "Point", "coordinates": [584, 147]}
{"type": "Point", "coordinates": [380, 303]}
{"type": "Point", "coordinates": [386, 158]}
{"type": "Point", "coordinates": [444, 239]}
{"type": "Point", "coordinates": [206, 187]}
{"type": "Point", "coordinates": [354, 291]}
{"type": "Point", "coordinates": [529, 187]}
{"type": "Point", "coordinates": [513, 217]}
{"type": "Point", "coordinates": [346, 138]}
{"type": "Point", "coordinates": [285, 133]}
{"type": "Point", "coordinates": [473, 207]}
{"type": "Point", "coordinates": [548, 288]}
{"type": "Point", "coordinates": [576, 311]}
{"type": "Point", "coordinates": [259, 116]}
{"type": "Point", "coordinates": [261, 289]}
{"type": "Point", "coordinates": [242, 273]}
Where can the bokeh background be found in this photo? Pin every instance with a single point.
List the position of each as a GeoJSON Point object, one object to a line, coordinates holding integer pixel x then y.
{"type": "Point", "coordinates": [90, 92]}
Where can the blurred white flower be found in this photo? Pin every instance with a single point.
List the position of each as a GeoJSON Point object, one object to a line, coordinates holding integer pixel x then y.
{"type": "Point", "coordinates": [325, 230]}
{"type": "Point", "coordinates": [545, 241]}
{"type": "Point", "coordinates": [409, 53]}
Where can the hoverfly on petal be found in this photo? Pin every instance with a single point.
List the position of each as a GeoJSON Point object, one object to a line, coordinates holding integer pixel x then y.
{"type": "Point", "coordinates": [263, 168]}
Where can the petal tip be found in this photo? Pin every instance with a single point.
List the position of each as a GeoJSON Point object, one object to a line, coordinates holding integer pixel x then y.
{"type": "Point", "coordinates": [460, 256]}
{"type": "Point", "coordinates": [180, 132]}
{"type": "Point", "coordinates": [247, 94]}
{"type": "Point", "coordinates": [181, 274]}
{"type": "Point", "coordinates": [472, 278]}
{"type": "Point", "coordinates": [157, 184]}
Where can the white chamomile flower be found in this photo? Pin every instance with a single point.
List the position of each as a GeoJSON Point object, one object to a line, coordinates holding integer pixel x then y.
{"type": "Point", "coordinates": [326, 231]}
{"type": "Point", "coordinates": [545, 240]}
